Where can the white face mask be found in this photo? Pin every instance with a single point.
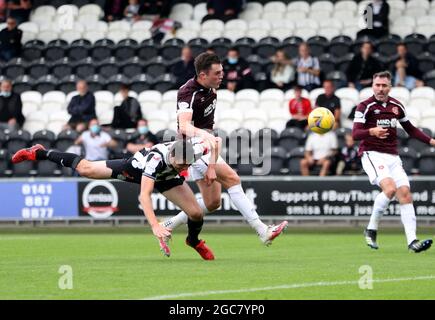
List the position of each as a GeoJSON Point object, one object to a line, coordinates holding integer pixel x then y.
{"type": "Point", "coordinates": [5, 94]}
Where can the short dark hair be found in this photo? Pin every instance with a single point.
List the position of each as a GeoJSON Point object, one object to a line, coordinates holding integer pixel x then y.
{"type": "Point", "coordinates": [297, 87]}
{"type": "Point", "coordinates": [383, 74]}
{"type": "Point", "coordinates": [183, 152]}
{"type": "Point", "coordinates": [124, 86]}
{"type": "Point", "coordinates": [204, 61]}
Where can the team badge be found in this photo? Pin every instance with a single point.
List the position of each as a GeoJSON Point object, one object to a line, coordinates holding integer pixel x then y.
{"type": "Point", "coordinates": [395, 111]}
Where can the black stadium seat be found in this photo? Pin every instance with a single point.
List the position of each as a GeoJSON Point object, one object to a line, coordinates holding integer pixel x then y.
{"type": "Point", "coordinates": [266, 47]}
{"type": "Point", "coordinates": [245, 46]}
{"type": "Point", "coordinates": [132, 68]}
{"type": "Point", "coordinates": [429, 79]}
{"type": "Point", "coordinates": [294, 158]}
{"type": "Point", "coordinates": [62, 68]}
{"type": "Point", "coordinates": [387, 45]}
{"type": "Point", "coordinates": [96, 82]}
{"type": "Point", "coordinates": [17, 140]}
{"type": "Point", "coordinates": [416, 43]}
{"type": "Point", "coordinates": [276, 157]}
{"type": "Point", "coordinates": [171, 49]}
{"type": "Point", "coordinates": [426, 62]}
{"type": "Point", "coordinates": [327, 63]}
{"type": "Point", "coordinates": [85, 68]}
{"type": "Point", "coordinates": [408, 157]}
{"type": "Point", "coordinates": [32, 51]}
{"type": "Point", "coordinates": [147, 51]}
{"type": "Point", "coordinates": [38, 69]}
{"type": "Point", "coordinates": [198, 45]}
{"type": "Point", "coordinates": [221, 46]}
{"type": "Point", "coordinates": [342, 63]}
{"type": "Point", "coordinates": [108, 68]}
{"type": "Point", "coordinates": [164, 82]}
{"type": "Point", "coordinates": [102, 50]}
{"type": "Point", "coordinates": [15, 68]}
{"type": "Point", "coordinates": [23, 83]}
{"type": "Point", "coordinates": [65, 139]}
{"type": "Point", "coordinates": [3, 139]}
{"type": "Point", "coordinates": [141, 82]}
{"type": "Point", "coordinates": [291, 138]}
{"type": "Point", "coordinates": [78, 50]}
{"type": "Point", "coordinates": [290, 46]}
{"type": "Point", "coordinates": [54, 52]}
{"type": "Point", "coordinates": [156, 67]}
{"type": "Point", "coordinates": [126, 49]}
{"type": "Point", "coordinates": [340, 46]}
{"type": "Point", "coordinates": [68, 84]}
{"type": "Point", "coordinates": [4, 163]}
{"type": "Point", "coordinates": [426, 162]}
{"type": "Point", "coordinates": [115, 81]}
{"type": "Point", "coordinates": [47, 168]}
{"type": "Point", "coordinates": [166, 135]}
{"type": "Point", "coordinates": [46, 83]}
{"type": "Point", "coordinates": [44, 137]}
{"type": "Point", "coordinates": [318, 45]}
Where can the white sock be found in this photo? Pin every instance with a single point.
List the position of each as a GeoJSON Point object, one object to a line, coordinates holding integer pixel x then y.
{"type": "Point", "coordinates": [379, 206]}
{"type": "Point", "coordinates": [407, 213]}
{"type": "Point", "coordinates": [246, 208]}
{"type": "Point", "coordinates": [181, 217]}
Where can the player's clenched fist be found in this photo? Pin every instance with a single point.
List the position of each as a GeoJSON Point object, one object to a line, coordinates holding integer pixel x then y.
{"type": "Point", "coordinates": [379, 132]}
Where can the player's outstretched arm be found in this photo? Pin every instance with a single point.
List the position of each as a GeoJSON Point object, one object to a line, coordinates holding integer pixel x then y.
{"type": "Point", "coordinates": [146, 189]}
{"type": "Point", "coordinates": [417, 133]}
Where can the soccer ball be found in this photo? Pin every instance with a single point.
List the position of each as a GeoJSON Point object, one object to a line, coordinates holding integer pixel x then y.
{"type": "Point", "coordinates": [321, 120]}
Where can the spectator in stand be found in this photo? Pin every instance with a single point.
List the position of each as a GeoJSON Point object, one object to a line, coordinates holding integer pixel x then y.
{"type": "Point", "coordinates": [163, 26]}
{"type": "Point", "coordinates": [320, 150]}
{"type": "Point", "coordinates": [405, 70]}
{"type": "Point", "coordinates": [330, 101]}
{"type": "Point", "coordinates": [11, 116]}
{"type": "Point", "coordinates": [224, 10]}
{"type": "Point", "coordinates": [376, 17]}
{"type": "Point", "coordinates": [81, 107]}
{"type": "Point", "coordinates": [155, 9]}
{"type": "Point", "coordinates": [114, 9]}
{"type": "Point", "coordinates": [308, 68]}
{"type": "Point", "coordinates": [282, 75]}
{"type": "Point", "coordinates": [362, 68]}
{"type": "Point", "coordinates": [237, 73]}
{"type": "Point", "coordinates": [184, 69]}
{"type": "Point", "coordinates": [128, 113]}
{"type": "Point", "coordinates": [299, 108]}
{"type": "Point", "coordinates": [3, 9]}
{"type": "Point", "coordinates": [20, 10]}
{"type": "Point", "coordinates": [96, 143]}
{"type": "Point", "coordinates": [131, 12]}
{"type": "Point", "coordinates": [10, 41]}
{"type": "Point", "coordinates": [348, 160]}
{"type": "Point", "coordinates": [143, 138]}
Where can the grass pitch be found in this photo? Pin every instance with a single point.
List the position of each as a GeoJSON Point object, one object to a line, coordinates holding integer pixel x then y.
{"type": "Point", "coordinates": [119, 264]}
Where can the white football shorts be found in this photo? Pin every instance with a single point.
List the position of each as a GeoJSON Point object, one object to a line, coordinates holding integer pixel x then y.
{"type": "Point", "coordinates": [198, 169]}
{"type": "Point", "coordinates": [379, 166]}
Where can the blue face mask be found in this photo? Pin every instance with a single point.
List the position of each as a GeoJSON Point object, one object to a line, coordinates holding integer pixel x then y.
{"type": "Point", "coordinates": [6, 94]}
{"type": "Point", "coordinates": [95, 128]}
{"type": "Point", "coordinates": [233, 60]}
{"type": "Point", "coordinates": [142, 129]}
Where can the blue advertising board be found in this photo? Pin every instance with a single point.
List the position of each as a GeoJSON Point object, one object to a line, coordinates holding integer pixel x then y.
{"type": "Point", "coordinates": [38, 199]}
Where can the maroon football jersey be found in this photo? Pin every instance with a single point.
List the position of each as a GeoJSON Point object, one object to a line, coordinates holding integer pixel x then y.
{"type": "Point", "coordinates": [201, 101]}
{"type": "Point", "coordinates": [373, 113]}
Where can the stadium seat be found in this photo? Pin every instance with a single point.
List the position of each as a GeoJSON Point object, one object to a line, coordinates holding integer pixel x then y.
{"type": "Point", "coordinates": [401, 94]}
{"type": "Point", "coordinates": [164, 82]}
{"type": "Point", "coordinates": [23, 169]}
{"type": "Point", "coordinates": [45, 138]}
{"type": "Point", "coordinates": [275, 159]}
{"type": "Point", "coordinates": [65, 139]}
{"type": "Point", "coordinates": [126, 49]}
{"type": "Point", "coordinates": [291, 138]}
{"type": "Point", "coordinates": [102, 50]}
{"type": "Point", "coordinates": [294, 158]}
{"type": "Point", "coordinates": [108, 68]}
{"type": "Point", "coordinates": [141, 82]}
{"type": "Point", "coordinates": [429, 79]}
{"type": "Point", "coordinates": [17, 140]}
{"type": "Point", "coordinates": [426, 62]}
{"type": "Point", "coordinates": [157, 120]}
{"type": "Point", "coordinates": [4, 163]}
{"type": "Point", "coordinates": [96, 82]}
{"type": "Point", "coordinates": [318, 45]}
{"type": "Point", "coordinates": [415, 44]}
{"type": "Point", "coordinates": [55, 52]}
{"type": "Point", "coordinates": [38, 69]}
{"type": "Point", "coordinates": [408, 157]}
{"type": "Point", "coordinates": [166, 135]}
{"type": "Point", "coordinates": [426, 161]}
{"type": "Point", "coordinates": [46, 83]}
{"type": "Point", "coordinates": [254, 119]}
{"type": "Point", "coordinates": [15, 69]}
{"type": "Point", "coordinates": [32, 51]}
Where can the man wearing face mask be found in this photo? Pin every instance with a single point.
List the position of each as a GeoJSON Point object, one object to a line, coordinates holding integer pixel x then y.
{"type": "Point", "coordinates": [11, 116]}
{"type": "Point", "coordinates": [128, 113]}
{"type": "Point", "coordinates": [10, 40]}
{"type": "Point", "coordinates": [96, 142]}
{"type": "Point", "coordinates": [237, 74]}
{"type": "Point", "coordinates": [143, 138]}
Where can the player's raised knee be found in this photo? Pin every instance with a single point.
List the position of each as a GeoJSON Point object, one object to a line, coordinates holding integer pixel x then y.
{"type": "Point", "coordinates": [196, 213]}
{"type": "Point", "coordinates": [214, 205]}
{"type": "Point", "coordinates": [390, 192]}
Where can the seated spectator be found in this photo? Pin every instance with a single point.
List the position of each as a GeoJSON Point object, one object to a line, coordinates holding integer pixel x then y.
{"type": "Point", "coordinates": [131, 12]}
{"type": "Point", "coordinates": [376, 17]}
{"type": "Point", "coordinates": [362, 68]}
{"type": "Point", "coordinates": [320, 150]}
{"type": "Point", "coordinates": [11, 116]}
{"type": "Point", "coordinates": [348, 160]}
{"type": "Point", "coordinates": [128, 113]}
{"type": "Point", "coordinates": [114, 9]}
{"type": "Point", "coordinates": [224, 10]}
{"type": "Point", "coordinates": [282, 74]}
{"type": "Point", "coordinates": [330, 101]}
{"type": "Point", "coordinates": [143, 138]}
{"type": "Point", "coordinates": [81, 107]}
{"type": "Point", "coordinates": [299, 108]}
{"type": "Point", "coordinates": [184, 69]}
{"type": "Point", "coordinates": [3, 9]}
{"type": "Point", "coordinates": [10, 41]}
{"type": "Point", "coordinates": [154, 9]}
{"type": "Point", "coordinates": [308, 68]}
{"type": "Point", "coordinates": [237, 73]}
{"type": "Point", "coordinates": [96, 143]}
{"type": "Point", "coordinates": [163, 26]}
{"type": "Point", "coordinates": [406, 72]}
{"type": "Point", "coordinates": [20, 10]}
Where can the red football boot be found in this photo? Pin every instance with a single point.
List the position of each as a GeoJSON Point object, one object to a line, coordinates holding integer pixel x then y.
{"type": "Point", "coordinates": [204, 251]}
{"type": "Point", "coordinates": [27, 154]}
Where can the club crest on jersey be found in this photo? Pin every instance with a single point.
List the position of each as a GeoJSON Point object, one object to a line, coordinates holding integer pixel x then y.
{"type": "Point", "coordinates": [387, 123]}
{"type": "Point", "coordinates": [395, 111]}
{"type": "Point", "coordinates": [377, 111]}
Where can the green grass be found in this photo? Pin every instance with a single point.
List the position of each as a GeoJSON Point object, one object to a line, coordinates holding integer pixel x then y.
{"type": "Point", "coordinates": [113, 264]}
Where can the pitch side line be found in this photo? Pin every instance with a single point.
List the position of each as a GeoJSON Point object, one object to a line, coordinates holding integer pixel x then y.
{"type": "Point", "coordinates": [287, 286]}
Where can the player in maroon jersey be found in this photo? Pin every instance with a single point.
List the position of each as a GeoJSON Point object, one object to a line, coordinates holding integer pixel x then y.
{"type": "Point", "coordinates": [196, 103]}
{"type": "Point", "coordinates": [375, 124]}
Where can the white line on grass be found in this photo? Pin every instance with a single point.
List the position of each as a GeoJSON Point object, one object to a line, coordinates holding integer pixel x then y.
{"type": "Point", "coordinates": [286, 286]}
